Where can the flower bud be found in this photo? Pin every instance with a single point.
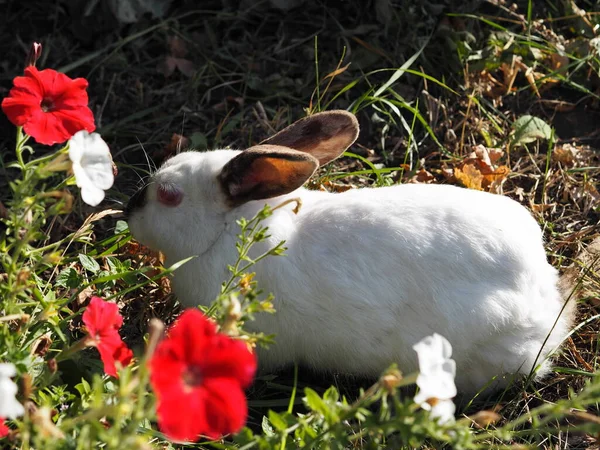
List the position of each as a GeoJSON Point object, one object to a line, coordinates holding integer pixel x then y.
{"type": "Point", "coordinates": [60, 163]}
{"type": "Point", "coordinates": [391, 380]}
{"type": "Point", "coordinates": [35, 51]}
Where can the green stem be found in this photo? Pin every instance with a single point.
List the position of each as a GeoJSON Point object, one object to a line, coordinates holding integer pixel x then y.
{"type": "Point", "coordinates": [76, 347]}
{"type": "Point", "coordinates": [22, 138]}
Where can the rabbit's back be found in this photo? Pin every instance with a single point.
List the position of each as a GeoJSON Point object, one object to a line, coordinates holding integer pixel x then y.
{"type": "Point", "coordinates": [370, 272]}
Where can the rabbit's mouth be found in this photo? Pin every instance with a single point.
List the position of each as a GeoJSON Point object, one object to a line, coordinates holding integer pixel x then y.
{"type": "Point", "coordinates": [137, 201]}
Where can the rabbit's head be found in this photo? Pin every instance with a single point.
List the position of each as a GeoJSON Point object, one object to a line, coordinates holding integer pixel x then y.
{"type": "Point", "coordinates": [185, 203]}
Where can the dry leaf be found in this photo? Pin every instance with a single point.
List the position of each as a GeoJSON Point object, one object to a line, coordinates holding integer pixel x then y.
{"type": "Point", "coordinates": [481, 152]}
{"type": "Point", "coordinates": [484, 419]}
{"type": "Point", "coordinates": [493, 180]}
{"type": "Point", "coordinates": [185, 66]}
{"type": "Point", "coordinates": [177, 47]}
{"type": "Point", "coordinates": [489, 155]}
{"type": "Point", "coordinates": [422, 176]}
{"type": "Point", "coordinates": [509, 73]}
{"type": "Point", "coordinates": [84, 295]}
{"type": "Point", "coordinates": [447, 172]}
{"type": "Point", "coordinates": [565, 154]}
{"type": "Point", "coordinates": [559, 63]}
{"type": "Point", "coordinates": [176, 145]}
{"type": "Point", "coordinates": [336, 187]}
{"type": "Point", "coordinates": [170, 63]}
{"type": "Point", "coordinates": [469, 176]}
{"type": "Point", "coordinates": [176, 59]}
{"type": "Point", "coordinates": [167, 66]}
{"type": "Point", "coordinates": [540, 208]}
{"type": "Point", "coordinates": [336, 72]}
{"type": "Point", "coordinates": [41, 345]}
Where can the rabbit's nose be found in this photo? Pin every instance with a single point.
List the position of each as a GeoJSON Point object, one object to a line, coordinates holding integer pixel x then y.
{"type": "Point", "coordinates": [137, 200]}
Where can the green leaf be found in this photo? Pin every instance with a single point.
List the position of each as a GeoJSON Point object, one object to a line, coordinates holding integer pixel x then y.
{"type": "Point", "coordinates": [528, 129]}
{"type": "Point", "coordinates": [266, 427]}
{"type": "Point", "coordinates": [68, 278]}
{"type": "Point", "coordinates": [113, 264]}
{"type": "Point", "coordinates": [198, 141]}
{"type": "Point", "coordinates": [83, 388]}
{"type": "Point", "coordinates": [331, 395]}
{"type": "Point", "coordinates": [121, 227]}
{"type": "Point", "coordinates": [277, 421]}
{"type": "Point", "coordinates": [315, 402]}
{"type": "Point", "coordinates": [89, 263]}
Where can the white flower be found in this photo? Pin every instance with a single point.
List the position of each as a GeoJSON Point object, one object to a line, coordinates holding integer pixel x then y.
{"type": "Point", "coordinates": [92, 165]}
{"type": "Point", "coordinates": [9, 406]}
{"type": "Point", "coordinates": [436, 377]}
{"type": "Point", "coordinates": [443, 410]}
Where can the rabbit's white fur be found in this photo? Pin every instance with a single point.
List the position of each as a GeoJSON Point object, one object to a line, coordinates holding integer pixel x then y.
{"type": "Point", "coordinates": [369, 272]}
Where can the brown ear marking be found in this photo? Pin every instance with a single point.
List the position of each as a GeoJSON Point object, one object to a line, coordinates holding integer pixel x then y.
{"type": "Point", "coordinates": [324, 135]}
{"type": "Point", "coordinates": [265, 171]}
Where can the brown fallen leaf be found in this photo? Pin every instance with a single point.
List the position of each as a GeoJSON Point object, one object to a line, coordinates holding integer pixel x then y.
{"type": "Point", "coordinates": [489, 155]}
{"type": "Point", "coordinates": [177, 46]}
{"type": "Point", "coordinates": [84, 295]}
{"type": "Point", "coordinates": [541, 207]}
{"type": "Point", "coordinates": [469, 176]}
{"type": "Point", "coordinates": [176, 145]}
{"type": "Point", "coordinates": [493, 180]}
{"type": "Point", "coordinates": [176, 60]}
{"type": "Point", "coordinates": [170, 63]}
{"type": "Point", "coordinates": [483, 419]}
{"type": "Point", "coordinates": [565, 154]}
{"type": "Point", "coordinates": [483, 159]}
{"type": "Point", "coordinates": [559, 63]}
{"type": "Point", "coordinates": [422, 176]}
{"type": "Point", "coordinates": [336, 187]}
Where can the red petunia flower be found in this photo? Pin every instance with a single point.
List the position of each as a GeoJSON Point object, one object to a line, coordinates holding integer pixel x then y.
{"type": "Point", "coordinates": [199, 377]}
{"type": "Point", "coordinates": [4, 430]}
{"type": "Point", "coordinates": [50, 106]}
{"type": "Point", "coordinates": [102, 321]}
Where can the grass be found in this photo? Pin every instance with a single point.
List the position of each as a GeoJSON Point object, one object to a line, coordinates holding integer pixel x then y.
{"type": "Point", "coordinates": [429, 85]}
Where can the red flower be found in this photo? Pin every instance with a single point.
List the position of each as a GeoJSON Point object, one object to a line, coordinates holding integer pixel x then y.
{"type": "Point", "coordinates": [4, 430]}
{"type": "Point", "coordinates": [199, 377]}
{"type": "Point", "coordinates": [102, 321]}
{"type": "Point", "coordinates": [50, 106]}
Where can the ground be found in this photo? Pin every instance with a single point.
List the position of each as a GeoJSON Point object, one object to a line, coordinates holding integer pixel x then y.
{"type": "Point", "coordinates": [227, 75]}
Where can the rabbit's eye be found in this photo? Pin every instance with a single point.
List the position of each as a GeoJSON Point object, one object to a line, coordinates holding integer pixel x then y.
{"type": "Point", "coordinates": [169, 194]}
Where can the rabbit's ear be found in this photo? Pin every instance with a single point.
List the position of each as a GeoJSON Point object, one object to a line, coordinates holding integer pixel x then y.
{"type": "Point", "coordinates": [265, 171]}
{"type": "Point", "coordinates": [324, 135]}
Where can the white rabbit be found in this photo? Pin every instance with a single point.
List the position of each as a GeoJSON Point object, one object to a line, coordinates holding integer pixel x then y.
{"type": "Point", "coordinates": [368, 272]}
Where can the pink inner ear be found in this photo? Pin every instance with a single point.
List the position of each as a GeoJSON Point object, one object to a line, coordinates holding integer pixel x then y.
{"type": "Point", "coordinates": [169, 195]}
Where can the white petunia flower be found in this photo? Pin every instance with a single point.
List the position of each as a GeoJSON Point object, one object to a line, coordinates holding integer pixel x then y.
{"type": "Point", "coordinates": [92, 165]}
{"type": "Point", "coordinates": [9, 406]}
{"type": "Point", "coordinates": [436, 377]}
{"type": "Point", "coordinates": [443, 410]}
